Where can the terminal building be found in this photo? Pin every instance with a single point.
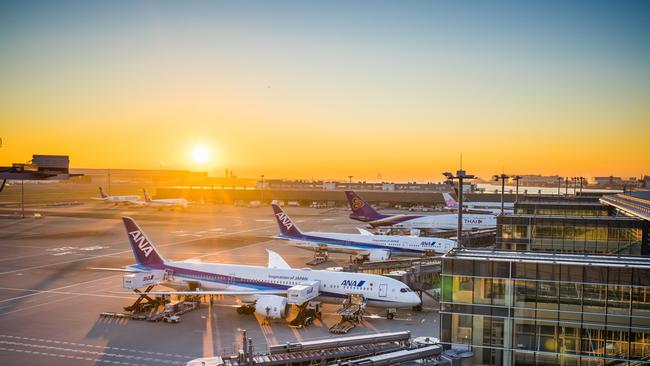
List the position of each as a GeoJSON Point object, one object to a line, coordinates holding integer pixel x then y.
{"type": "Point", "coordinates": [532, 308]}
{"type": "Point", "coordinates": [607, 235]}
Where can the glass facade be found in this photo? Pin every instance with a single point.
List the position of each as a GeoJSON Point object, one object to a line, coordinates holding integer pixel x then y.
{"type": "Point", "coordinates": [512, 312]}
{"type": "Point", "coordinates": [561, 209]}
{"type": "Point", "coordinates": [571, 234]}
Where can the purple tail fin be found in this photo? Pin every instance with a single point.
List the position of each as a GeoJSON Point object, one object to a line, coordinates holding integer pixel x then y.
{"type": "Point", "coordinates": [101, 192]}
{"type": "Point", "coordinates": [361, 210]}
{"type": "Point", "coordinates": [143, 249]}
{"type": "Point", "coordinates": [287, 227]}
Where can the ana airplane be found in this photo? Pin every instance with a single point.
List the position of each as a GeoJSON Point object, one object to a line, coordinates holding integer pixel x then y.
{"type": "Point", "coordinates": [362, 211]}
{"type": "Point", "coordinates": [479, 207]}
{"type": "Point", "coordinates": [263, 289]}
{"type": "Point", "coordinates": [374, 247]}
{"type": "Point", "coordinates": [116, 199]}
{"type": "Point", "coordinates": [164, 203]}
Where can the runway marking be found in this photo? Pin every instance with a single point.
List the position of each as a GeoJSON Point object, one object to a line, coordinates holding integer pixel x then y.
{"type": "Point", "coordinates": [127, 251]}
{"type": "Point", "coordinates": [61, 292]}
{"type": "Point", "coordinates": [59, 288]}
{"type": "Point", "coordinates": [94, 346]}
{"type": "Point", "coordinates": [98, 279]}
{"type": "Point", "coordinates": [94, 353]}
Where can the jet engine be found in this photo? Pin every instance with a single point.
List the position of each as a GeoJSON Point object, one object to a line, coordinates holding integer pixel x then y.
{"type": "Point", "coordinates": [271, 306]}
{"type": "Point", "coordinates": [378, 255]}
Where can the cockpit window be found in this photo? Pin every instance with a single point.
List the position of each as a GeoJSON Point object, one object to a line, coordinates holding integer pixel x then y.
{"type": "Point", "coordinates": [405, 289]}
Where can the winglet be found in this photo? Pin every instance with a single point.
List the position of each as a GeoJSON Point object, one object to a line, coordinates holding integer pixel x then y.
{"type": "Point", "coordinates": [276, 261]}
{"type": "Point", "coordinates": [147, 198]}
{"type": "Point", "coordinates": [364, 232]}
{"type": "Point", "coordinates": [101, 192]}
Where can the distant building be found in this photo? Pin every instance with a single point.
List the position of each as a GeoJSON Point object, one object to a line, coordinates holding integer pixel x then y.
{"type": "Point", "coordinates": [538, 180]}
{"type": "Point", "coordinates": [356, 186]}
{"type": "Point", "coordinates": [612, 182]}
{"type": "Point", "coordinates": [512, 308]}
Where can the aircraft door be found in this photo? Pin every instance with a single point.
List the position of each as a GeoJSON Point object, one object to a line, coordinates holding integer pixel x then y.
{"type": "Point", "coordinates": [383, 290]}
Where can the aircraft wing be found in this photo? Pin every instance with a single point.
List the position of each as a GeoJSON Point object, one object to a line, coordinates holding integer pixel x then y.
{"type": "Point", "coordinates": [136, 203]}
{"type": "Point", "coordinates": [218, 292]}
{"type": "Point", "coordinates": [330, 248]}
{"type": "Point", "coordinates": [129, 270]}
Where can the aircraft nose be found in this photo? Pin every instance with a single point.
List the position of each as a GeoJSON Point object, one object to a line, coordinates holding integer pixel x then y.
{"type": "Point", "coordinates": [416, 299]}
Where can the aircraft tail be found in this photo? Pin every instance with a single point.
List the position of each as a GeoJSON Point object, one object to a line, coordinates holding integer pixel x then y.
{"type": "Point", "coordinates": [143, 249]}
{"type": "Point", "coordinates": [361, 210]}
{"type": "Point", "coordinates": [286, 225]}
{"type": "Point", "coordinates": [102, 193]}
{"type": "Point", "coordinates": [450, 202]}
{"type": "Point", "coordinates": [147, 198]}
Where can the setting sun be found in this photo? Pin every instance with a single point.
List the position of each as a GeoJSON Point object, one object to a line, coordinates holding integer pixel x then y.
{"type": "Point", "coordinates": [200, 155]}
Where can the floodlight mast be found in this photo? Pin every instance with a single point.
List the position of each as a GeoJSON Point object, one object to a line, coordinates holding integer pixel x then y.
{"type": "Point", "coordinates": [503, 177]}
{"type": "Point", "coordinates": [460, 175]}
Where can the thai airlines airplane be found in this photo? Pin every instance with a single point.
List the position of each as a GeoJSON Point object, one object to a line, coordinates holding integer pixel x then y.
{"type": "Point", "coordinates": [479, 207]}
{"type": "Point", "coordinates": [374, 247]}
{"type": "Point", "coordinates": [116, 199]}
{"type": "Point", "coordinates": [264, 288]}
{"type": "Point", "coordinates": [164, 203]}
{"type": "Point", "coordinates": [362, 211]}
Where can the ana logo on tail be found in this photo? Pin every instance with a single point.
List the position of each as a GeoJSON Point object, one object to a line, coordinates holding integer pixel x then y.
{"type": "Point", "coordinates": [285, 220]}
{"type": "Point", "coordinates": [142, 242]}
{"type": "Point", "coordinates": [357, 203]}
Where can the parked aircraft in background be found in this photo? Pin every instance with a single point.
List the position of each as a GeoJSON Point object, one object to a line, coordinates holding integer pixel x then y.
{"type": "Point", "coordinates": [165, 202]}
{"type": "Point", "coordinates": [116, 199]}
{"type": "Point", "coordinates": [374, 247]}
{"type": "Point", "coordinates": [479, 207]}
{"type": "Point", "coordinates": [362, 211]}
{"type": "Point", "coordinates": [262, 289]}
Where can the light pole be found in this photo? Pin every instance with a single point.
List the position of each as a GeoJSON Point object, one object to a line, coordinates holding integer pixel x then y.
{"type": "Point", "coordinates": [350, 180]}
{"type": "Point", "coordinates": [566, 186]}
{"type": "Point", "coordinates": [516, 178]}
{"type": "Point", "coordinates": [460, 175]}
{"type": "Point", "coordinates": [262, 191]}
{"type": "Point", "coordinates": [503, 178]}
{"type": "Point", "coordinates": [581, 179]}
{"type": "Point", "coordinates": [559, 185]}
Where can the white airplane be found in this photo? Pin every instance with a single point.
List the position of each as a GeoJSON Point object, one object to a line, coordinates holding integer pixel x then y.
{"type": "Point", "coordinates": [362, 211]}
{"type": "Point", "coordinates": [263, 288]}
{"type": "Point", "coordinates": [165, 202]}
{"type": "Point", "coordinates": [479, 207]}
{"type": "Point", "coordinates": [116, 199]}
{"type": "Point", "coordinates": [374, 247]}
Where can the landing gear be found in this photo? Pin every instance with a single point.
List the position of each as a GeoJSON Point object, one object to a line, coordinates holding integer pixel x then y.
{"type": "Point", "coordinates": [390, 313]}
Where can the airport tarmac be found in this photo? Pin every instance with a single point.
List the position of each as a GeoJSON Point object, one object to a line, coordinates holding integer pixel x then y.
{"type": "Point", "coordinates": [50, 299]}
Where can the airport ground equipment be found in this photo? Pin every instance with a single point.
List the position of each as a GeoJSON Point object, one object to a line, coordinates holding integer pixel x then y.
{"type": "Point", "coordinates": [316, 352]}
{"type": "Point", "coordinates": [351, 314]}
{"type": "Point", "coordinates": [320, 256]}
{"type": "Point", "coordinates": [307, 313]}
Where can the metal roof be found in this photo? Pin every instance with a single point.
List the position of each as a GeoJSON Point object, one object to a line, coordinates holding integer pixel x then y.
{"type": "Point", "coordinates": [553, 258]}
{"type": "Point", "coordinates": [634, 204]}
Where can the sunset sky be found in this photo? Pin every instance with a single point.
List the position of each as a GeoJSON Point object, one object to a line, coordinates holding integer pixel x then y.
{"type": "Point", "coordinates": [329, 89]}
